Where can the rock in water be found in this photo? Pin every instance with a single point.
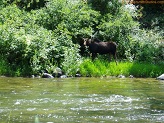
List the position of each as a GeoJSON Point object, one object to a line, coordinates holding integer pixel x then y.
{"type": "Point", "coordinates": [121, 76]}
{"type": "Point", "coordinates": [63, 76]}
{"type": "Point", "coordinates": [131, 76]}
{"type": "Point", "coordinates": [77, 75]}
{"type": "Point", "coordinates": [161, 77]}
{"type": "Point", "coordinates": [57, 73]}
{"type": "Point", "coordinates": [46, 75]}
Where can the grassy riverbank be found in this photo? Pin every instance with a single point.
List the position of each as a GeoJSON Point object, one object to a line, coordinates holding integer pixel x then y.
{"type": "Point", "coordinates": [104, 68]}
{"type": "Point", "coordinates": [97, 68]}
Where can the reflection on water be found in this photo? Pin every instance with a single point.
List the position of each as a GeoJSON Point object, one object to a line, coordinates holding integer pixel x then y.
{"type": "Point", "coordinates": [25, 100]}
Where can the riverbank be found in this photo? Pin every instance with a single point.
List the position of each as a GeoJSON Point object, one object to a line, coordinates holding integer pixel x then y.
{"type": "Point", "coordinates": [99, 68]}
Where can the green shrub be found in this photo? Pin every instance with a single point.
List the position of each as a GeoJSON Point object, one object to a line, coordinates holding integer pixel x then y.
{"type": "Point", "coordinates": [27, 45]}
{"type": "Point", "coordinates": [72, 61]}
{"type": "Point", "coordinates": [73, 18]}
{"type": "Point", "coordinates": [145, 46]}
{"type": "Point", "coordinates": [105, 6]}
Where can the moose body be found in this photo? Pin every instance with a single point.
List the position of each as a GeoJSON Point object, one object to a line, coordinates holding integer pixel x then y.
{"type": "Point", "coordinates": [101, 47]}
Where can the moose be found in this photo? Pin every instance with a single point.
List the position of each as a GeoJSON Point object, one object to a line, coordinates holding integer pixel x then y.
{"type": "Point", "coordinates": [96, 46]}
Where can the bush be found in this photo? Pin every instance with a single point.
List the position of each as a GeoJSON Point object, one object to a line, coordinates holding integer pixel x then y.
{"type": "Point", "coordinates": [146, 46]}
{"type": "Point", "coordinates": [69, 17]}
{"type": "Point", "coordinates": [27, 45]}
{"type": "Point", "coordinates": [72, 61]}
{"type": "Point", "coordinates": [105, 6]}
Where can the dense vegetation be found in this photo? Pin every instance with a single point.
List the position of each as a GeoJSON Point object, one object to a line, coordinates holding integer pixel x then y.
{"type": "Point", "coordinates": [38, 35]}
{"type": "Point", "coordinates": [129, 69]}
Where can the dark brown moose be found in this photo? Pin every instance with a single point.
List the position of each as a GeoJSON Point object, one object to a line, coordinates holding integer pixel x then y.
{"type": "Point", "coordinates": [96, 46]}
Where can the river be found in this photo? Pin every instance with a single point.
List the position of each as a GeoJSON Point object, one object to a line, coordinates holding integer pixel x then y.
{"type": "Point", "coordinates": [81, 100]}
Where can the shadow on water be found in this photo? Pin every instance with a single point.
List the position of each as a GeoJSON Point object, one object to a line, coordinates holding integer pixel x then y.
{"type": "Point", "coordinates": [24, 100]}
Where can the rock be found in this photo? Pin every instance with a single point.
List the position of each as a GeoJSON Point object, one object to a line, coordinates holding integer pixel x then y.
{"type": "Point", "coordinates": [57, 72]}
{"type": "Point", "coordinates": [161, 77]}
{"type": "Point", "coordinates": [121, 76]}
{"type": "Point", "coordinates": [47, 75]}
{"type": "Point", "coordinates": [2, 76]}
{"type": "Point", "coordinates": [63, 76]}
{"type": "Point", "coordinates": [32, 76]}
{"type": "Point", "coordinates": [37, 76]}
{"type": "Point", "coordinates": [131, 76]}
{"type": "Point", "coordinates": [77, 75]}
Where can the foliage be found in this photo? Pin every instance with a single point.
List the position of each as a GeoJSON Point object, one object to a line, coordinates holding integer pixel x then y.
{"type": "Point", "coordinates": [71, 18]}
{"type": "Point", "coordinates": [105, 6]}
{"type": "Point", "coordinates": [28, 44]}
{"type": "Point", "coordinates": [72, 61]}
{"type": "Point", "coordinates": [152, 16]}
{"type": "Point", "coordinates": [133, 43]}
{"type": "Point", "coordinates": [118, 28]}
{"type": "Point", "coordinates": [100, 68]}
{"type": "Point", "coordinates": [38, 35]}
{"type": "Point", "coordinates": [3, 66]}
{"type": "Point", "coordinates": [27, 4]}
{"type": "Point", "coordinates": [147, 46]}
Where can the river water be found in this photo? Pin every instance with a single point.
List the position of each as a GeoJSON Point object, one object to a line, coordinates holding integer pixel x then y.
{"type": "Point", "coordinates": [81, 100]}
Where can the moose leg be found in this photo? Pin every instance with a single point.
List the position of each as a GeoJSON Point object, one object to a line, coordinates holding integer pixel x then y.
{"type": "Point", "coordinates": [94, 56]}
{"type": "Point", "coordinates": [115, 57]}
{"type": "Point", "coordinates": [109, 57]}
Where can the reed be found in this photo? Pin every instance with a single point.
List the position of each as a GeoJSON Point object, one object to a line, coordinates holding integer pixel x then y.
{"type": "Point", "coordinates": [99, 68]}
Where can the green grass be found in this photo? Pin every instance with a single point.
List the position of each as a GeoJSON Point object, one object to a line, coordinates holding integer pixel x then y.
{"type": "Point", "coordinates": [99, 68]}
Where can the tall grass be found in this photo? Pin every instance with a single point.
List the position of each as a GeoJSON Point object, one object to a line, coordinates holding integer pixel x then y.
{"type": "Point", "coordinates": [99, 68]}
